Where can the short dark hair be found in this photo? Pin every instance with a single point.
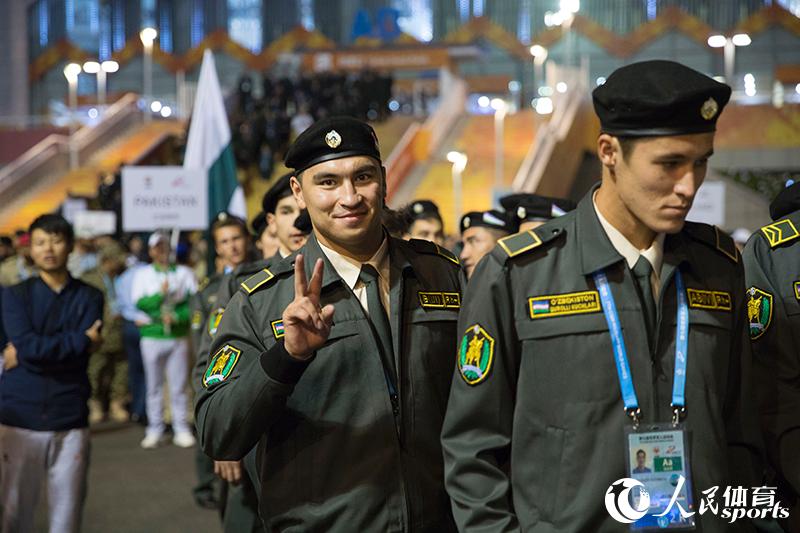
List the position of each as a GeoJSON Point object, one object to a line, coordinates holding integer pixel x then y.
{"type": "Point", "coordinates": [54, 224]}
{"type": "Point", "coordinates": [229, 221]}
{"type": "Point", "coordinates": [641, 452]}
{"type": "Point", "coordinates": [6, 240]}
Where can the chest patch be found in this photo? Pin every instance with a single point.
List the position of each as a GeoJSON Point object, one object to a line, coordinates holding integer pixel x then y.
{"type": "Point", "coordinates": [571, 303]}
{"type": "Point", "coordinates": [714, 300]}
{"type": "Point", "coordinates": [277, 328]}
{"type": "Point", "coordinates": [440, 300]}
{"type": "Point", "coordinates": [759, 311]}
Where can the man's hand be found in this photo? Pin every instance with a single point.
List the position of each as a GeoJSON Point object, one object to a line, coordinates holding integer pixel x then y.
{"type": "Point", "coordinates": [95, 337]}
{"type": "Point", "coordinates": [10, 357]}
{"type": "Point", "coordinates": [230, 471]}
{"type": "Point", "coordinates": [306, 324]}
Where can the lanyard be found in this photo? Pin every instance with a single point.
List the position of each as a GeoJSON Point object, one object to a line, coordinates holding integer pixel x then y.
{"type": "Point", "coordinates": [621, 355]}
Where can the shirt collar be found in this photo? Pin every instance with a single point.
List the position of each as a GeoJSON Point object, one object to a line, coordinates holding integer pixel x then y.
{"type": "Point", "coordinates": [654, 254]}
{"type": "Point", "coordinates": [349, 269]}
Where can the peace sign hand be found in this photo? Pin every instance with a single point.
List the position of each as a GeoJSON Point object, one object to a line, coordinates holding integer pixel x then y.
{"type": "Point", "coordinates": [306, 324]}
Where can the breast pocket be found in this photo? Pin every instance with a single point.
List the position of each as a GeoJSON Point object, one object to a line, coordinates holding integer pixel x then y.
{"type": "Point", "coordinates": [710, 338]}
{"type": "Point", "coordinates": [566, 355]}
{"type": "Point", "coordinates": [431, 348]}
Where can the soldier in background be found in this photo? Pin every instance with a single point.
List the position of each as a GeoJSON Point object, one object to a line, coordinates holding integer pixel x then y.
{"type": "Point", "coordinates": [772, 271]}
{"type": "Point", "coordinates": [108, 366]}
{"type": "Point", "coordinates": [424, 222]}
{"type": "Point", "coordinates": [480, 231]}
{"type": "Point", "coordinates": [19, 266]}
{"type": "Point", "coordinates": [533, 210]}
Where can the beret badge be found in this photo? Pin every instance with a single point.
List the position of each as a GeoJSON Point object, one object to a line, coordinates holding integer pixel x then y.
{"type": "Point", "coordinates": [333, 139]}
{"type": "Point", "coordinates": [709, 109]}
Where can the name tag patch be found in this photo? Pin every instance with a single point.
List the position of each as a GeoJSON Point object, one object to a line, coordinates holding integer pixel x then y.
{"type": "Point", "coordinates": [440, 300]}
{"type": "Point", "coordinates": [571, 303]}
{"type": "Point", "coordinates": [714, 300]}
{"type": "Point", "coordinates": [277, 328]}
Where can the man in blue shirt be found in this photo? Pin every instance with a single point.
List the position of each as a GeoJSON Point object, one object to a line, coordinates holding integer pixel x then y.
{"type": "Point", "coordinates": [53, 322]}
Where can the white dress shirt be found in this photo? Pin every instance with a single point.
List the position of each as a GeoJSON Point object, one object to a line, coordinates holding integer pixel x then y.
{"type": "Point", "coordinates": [349, 269]}
{"type": "Point", "coordinates": [654, 254]}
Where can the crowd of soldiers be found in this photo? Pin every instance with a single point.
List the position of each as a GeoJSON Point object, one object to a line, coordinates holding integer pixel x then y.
{"type": "Point", "coordinates": [360, 371]}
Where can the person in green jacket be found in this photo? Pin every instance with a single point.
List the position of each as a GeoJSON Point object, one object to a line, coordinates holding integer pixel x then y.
{"type": "Point", "coordinates": [336, 361]}
{"type": "Point", "coordinates": [772, 271]}
{"type": "Point", "coordinates": [534, 436]}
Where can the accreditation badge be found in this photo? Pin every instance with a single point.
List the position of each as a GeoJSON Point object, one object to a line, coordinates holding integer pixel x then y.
{"type": "Point", "coordinates": [657, 458]}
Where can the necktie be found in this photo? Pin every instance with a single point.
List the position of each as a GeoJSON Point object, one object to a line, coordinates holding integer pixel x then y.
{"type": "Point", "coordinates": [642, 271]}
{"type": "Point", "coordinates": [379, 319]}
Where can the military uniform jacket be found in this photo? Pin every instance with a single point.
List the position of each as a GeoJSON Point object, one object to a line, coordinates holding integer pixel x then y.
{"type": "Point", "coordinates": [335, 452]}
{"type": "Point", "coordinates": [227, 286]}
{"type": "Point", "coordinates": [537, 438]}
{"type": "Point", "coordinates": [202, 306]}
{"type": "Point", "coordinates": [772, 269]}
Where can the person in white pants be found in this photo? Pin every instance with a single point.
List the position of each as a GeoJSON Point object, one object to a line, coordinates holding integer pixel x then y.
{"type": "Point", "coordinates": [162, 290]}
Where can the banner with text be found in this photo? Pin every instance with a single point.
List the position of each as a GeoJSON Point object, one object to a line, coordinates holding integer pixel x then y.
{"type": "Point", "coordinates": [164, 198]}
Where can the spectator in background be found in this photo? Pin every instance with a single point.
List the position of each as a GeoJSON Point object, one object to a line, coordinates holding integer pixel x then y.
{"type": "Point", "coordinates": [19, 266]}
{"type": "Point", "coordinates": [424, 222]}
{"type": "Point", "coordinates": [107, 365]}
{"type": "Point", "coordinates": [301, 121]}
{"type": "Point", "coordinates": [162, 290]}
{"type": "Point", "coordinates": [53, 322]}
{"type": "Point", "coordinates": [83, 258]}
{"type": "Point", "coordinates": [132, 318]}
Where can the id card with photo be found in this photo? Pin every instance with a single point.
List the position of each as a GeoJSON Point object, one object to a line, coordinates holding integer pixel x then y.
{"type": "Point", "coordinates": [658, 458]}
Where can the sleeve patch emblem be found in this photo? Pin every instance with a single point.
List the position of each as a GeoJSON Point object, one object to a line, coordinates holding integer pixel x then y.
{"type": "Point", "coordinates": [475, 355]}
{"type": "Point", "coordinates": [221, 365]}
{"type": "Point", "coordinates": [440, 300]}
{"type": "Point", "coordinates": [797, 289]}
{"type": "Point", "coordinates": [714, 300]}
{"type": "Point", "coordinates": [214, 319]}
{"type": "Point", "coordinates": [759, 311]}
{"type": "Point", "coordinates": [277, 328]}
{"type": "Point", "coordinates": [197, 320]}
{"type": "Point", "coordinates": [572, 303]}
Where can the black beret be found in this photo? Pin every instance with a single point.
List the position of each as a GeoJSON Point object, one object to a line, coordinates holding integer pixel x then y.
{"type": "Point", "coordinates": [527, 206]}
{"type": "Point", "coordinates": [419, 209]}
{"type": "Point", "coordinates": [303, 222]}
{"type": "Point", "coordinates": [488, 219]}
{"type": "Point", "coordinates": [787, 201]}
{"type": "Point", "coordinates": [279, 190]}
{"type": "Point", "coordinates": [259, 224]}
{"type": "Point", "coordinates": [332, 138]}
{"type": "Point", "coordinates": [659, 98]}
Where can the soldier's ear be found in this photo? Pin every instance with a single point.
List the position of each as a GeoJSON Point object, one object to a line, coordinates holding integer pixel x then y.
{"type": "Point", "coordinates": [297, 190]}
{"type": "Point", "coordinates": [608, 150]}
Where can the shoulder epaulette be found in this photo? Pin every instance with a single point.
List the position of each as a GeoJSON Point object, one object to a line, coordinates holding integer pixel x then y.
{"type": "Point", "coordinates": [266, 276]}
{"type": "Point", "coordinates": [780, 232]}
{"type": "Point", "coordinates": [525, 241]}
{"type": "Point", "coordinates": [714, 237]}
{"type": "Point", "coordinates": [427, 247]}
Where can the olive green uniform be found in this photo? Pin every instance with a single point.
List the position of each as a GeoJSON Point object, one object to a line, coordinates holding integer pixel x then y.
{"type": "Point", "coordinates": [239, 502]}
{"type": "Point", "coordinates": [337, 451]}
{"type": "Point", "coordinates": [108, 365]}
{"type": "Point", "coordinates": [772, 270]}
{"type": "Point", "coordinates": [534, 443]}
{"type": "Point", "coordinates": [201, 305]}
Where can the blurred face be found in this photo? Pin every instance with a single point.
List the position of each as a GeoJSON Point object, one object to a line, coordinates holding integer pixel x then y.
{"type": "Point", "coordinates": [281, 224]}
{"type": "Point", "coordinates": [230, 243]}
{"type": "Point", "coordinates": [478, 241]}
{"type": "Point", "coordinates": [344, 198]}
{"type": "Point", "coordinates": [429, 229]}
{"type": "Point", "coordinates": [49, 251]}
{"type": "Point", "coordinates": [160, 253]}
{"type": "Point", "coordinates": [640, 458]}
{"type": "Point", "coordinates": [657, 181]}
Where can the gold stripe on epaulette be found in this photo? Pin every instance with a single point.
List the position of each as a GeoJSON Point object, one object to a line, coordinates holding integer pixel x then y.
{"type": "Point", "coordinates": [249, 289]}
{"type": "Point", "coordinates": [780, 232]}
{"type": "Point", "coordinates": [447, 255]}
{"type": "Point", "coordinates": [535, 241]}
{"type": "Point", "coordinates": [733, 254]}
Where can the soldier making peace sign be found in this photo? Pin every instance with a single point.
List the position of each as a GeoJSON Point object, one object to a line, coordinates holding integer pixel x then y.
{"type": "Point", "coordinates": [339, 358]}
